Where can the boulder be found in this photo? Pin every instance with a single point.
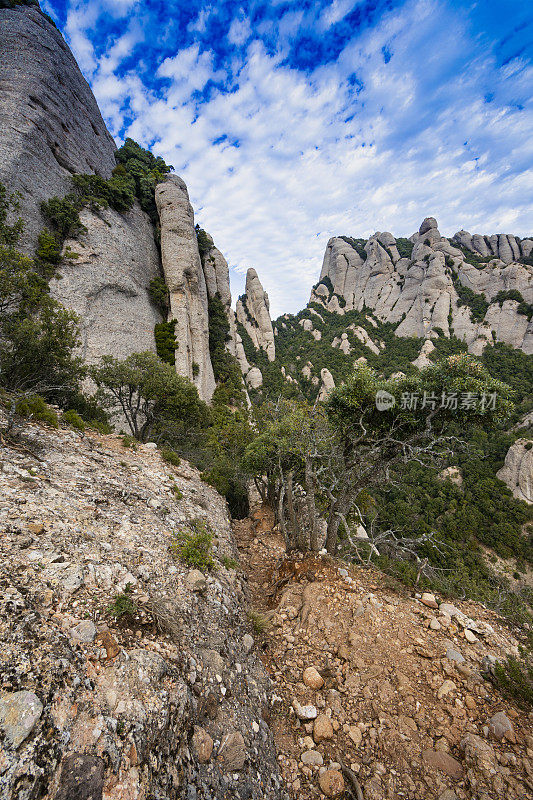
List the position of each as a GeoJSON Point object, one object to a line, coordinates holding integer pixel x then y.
{"type": "Point", "coordinates": [50, 124]}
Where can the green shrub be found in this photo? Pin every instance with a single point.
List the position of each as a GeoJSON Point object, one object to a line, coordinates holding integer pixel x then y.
{"type": "Point", "coordinates": [73, 419]}
{"type": "Point", "coordinates": [176, 491]}
{"type": "Point", "coordinates": [158, 291]}
{"type": "Point", "coordinates": [63, 214]}
{"type": "Point", "coordinates": [129, 441]}
{"type": "Point", "coordinates": [170, 456]}
{"type": "Point", "coordinates": [260, 622]}
{"type": "Point", "coordinates": [514, 677]}
{"type": "Point", "coordinates": [195, 369]}
{"type": "Point", "coordinates": [193, 545]}
{"type": "Point", "coordinates": [35, 407]}
{"type": "Point", "coordinates": [165, 341]}
{"type": "Point", "coordinates": [123, 605]}
{"type": "Point", "coordinates": [404, 247]}
{"type": "Point", "coordinates": [48, 248]}
{"type": "Point", "coordinates": [230, 563]}
{"type": "Point", "coordinates": [204, 242]}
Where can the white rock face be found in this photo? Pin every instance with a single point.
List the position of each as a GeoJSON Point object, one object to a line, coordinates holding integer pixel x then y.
{"type": "Point", "coordinates": [422, 360]}
{"type": "Point", "coordinates": [254, 378]}
{"type": "Point", "coordinates": [327, 384]}
{"type": "Point", "coordinates": [517, 472]}
{"type": "Point", "coordinates": [418, 293]}
{"type": "Point", "coordinates": [50, 124]}
{"type": "Point", "coordinates": [186, 283]}
{"type": "Point", "coordinates": [253, 312]}
{"type": "Point", "coordinates": [107, 284]}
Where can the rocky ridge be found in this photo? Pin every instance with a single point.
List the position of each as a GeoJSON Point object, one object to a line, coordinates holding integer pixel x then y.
{"type": "Point", "coordinates": [52, 129]}
{"type": "Point", "coordinates": [166, 702]}
{"type": "Point", "coordinates": [419, 292]}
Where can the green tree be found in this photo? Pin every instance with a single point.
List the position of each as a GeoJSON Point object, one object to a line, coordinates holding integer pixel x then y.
{"type": "Point", "coordinates": [339, 453]}
{"type": "Point", "coordinates": [152, 397]}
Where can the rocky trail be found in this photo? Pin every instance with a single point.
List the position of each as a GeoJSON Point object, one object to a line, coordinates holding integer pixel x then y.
{"type": "Point", "coordinates": [378, 694]}
{"type": "Point", "coordinates": [284, 677]}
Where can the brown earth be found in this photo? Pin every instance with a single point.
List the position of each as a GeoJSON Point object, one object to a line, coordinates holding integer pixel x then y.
{"type": "Point", "coordinates": [407, 721]}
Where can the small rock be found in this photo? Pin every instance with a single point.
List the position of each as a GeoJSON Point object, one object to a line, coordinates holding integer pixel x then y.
{"type": "Point", "coordinates": [322, 729]}
{"type": "Point", "coordinates": [435, 624]}
{"type": "Point", "coordinates": [202, 745]}
{"type": "Point", "coordinates": [312, 678]}
{"type": "Point", "coordinates": [331, 783]}
{"type": "Point", "coordinates": [428, 600]}
{"type": "Point", "coordinates": [448, 609]}
{"type": "Point", "coordinates": [444, 762]}
{"type": "Point", "coordinates": [36, 528]}
{"type": "Point", "coordinates": [109, 643]}
{"type": "Point", "coordinates": [355, 735]}
{"type": "Point", "coordinates": [312, 758]}
{"type": "Point", "coordinates": [304, 712]}
{"type": "Point", "coordinates": [247, 642]}
{"type": "Point", "coordinates": [470, 637]}
{"type": "Point", "coordinates": [232, 752]}
{"type": "Point", "coordinates": [501, 727]}
{"type": "Point", "coordinates": [19, 712]}
{"type": "Point", "coordinates": [454, 655]}
{"type": "Point", "coordinates": [196, 580]}
{"type": "Point", "coordinates": [446, 688]}
{"type": "Point", "coordinates": [84, 631]}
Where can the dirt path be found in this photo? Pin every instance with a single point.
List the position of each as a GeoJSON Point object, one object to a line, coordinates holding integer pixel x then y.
{"type": "Point", "coordinates": [393, 708]}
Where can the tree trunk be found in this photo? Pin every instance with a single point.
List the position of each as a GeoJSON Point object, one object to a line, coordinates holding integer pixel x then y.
{"type": "Point", "coordinates": [293, 521]}
{"type": "Point", "coordinates": [311, 506]}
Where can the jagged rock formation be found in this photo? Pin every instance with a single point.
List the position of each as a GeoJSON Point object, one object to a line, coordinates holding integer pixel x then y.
{"type": "Point", "coordinates": [166, 702]}
{"type": "Point", "coordinates": [419, 292]}
{"type": "Point", "coordinates": [107, 284]}
{"type": "Point", "coordinates": [50, 124]}
{"type": "Point", "coordinates": [186, 282]}
{"type": "Point", "coordinates": [327, 385]}
{"type": "Point", "coordinates": [517, 472]}
{"type": "Point", "coordinates": [253, 312]}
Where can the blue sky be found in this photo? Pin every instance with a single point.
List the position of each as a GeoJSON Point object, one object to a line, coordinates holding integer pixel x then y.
{"type": "Point", "coordinates": [295, 121]}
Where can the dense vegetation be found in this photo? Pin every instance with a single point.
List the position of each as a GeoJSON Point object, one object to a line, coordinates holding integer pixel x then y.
{"type": "Point", "coordinates": [471, 521]}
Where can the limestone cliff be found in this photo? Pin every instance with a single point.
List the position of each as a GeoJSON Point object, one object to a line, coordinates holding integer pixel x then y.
{"type": "Point", "coordinates": [517, 472]}
{"type": "Point", "coordinates": [419, 289]}
{"type": "Point", "coordinates": [187, 285]}
{"type": "Point", "coordinates": [107, 284]}
{"type": "Point", "coordinates": [50, 124]}
{"type": "Point", "coordinates": [253, 312]}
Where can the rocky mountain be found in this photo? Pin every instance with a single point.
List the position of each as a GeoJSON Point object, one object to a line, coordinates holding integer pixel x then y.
{"type": "Point", "coordinates": [50, 124]}
{"type": "Point", "coordinates": [477, 288]}
{"type": "Point", "coordinates": [50, 130]}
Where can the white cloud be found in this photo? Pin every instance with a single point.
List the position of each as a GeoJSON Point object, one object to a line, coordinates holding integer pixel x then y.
{"type": "Point", "coordinates": [302, 157]}
{"type": "Point", "coordinates": [240, 30]}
